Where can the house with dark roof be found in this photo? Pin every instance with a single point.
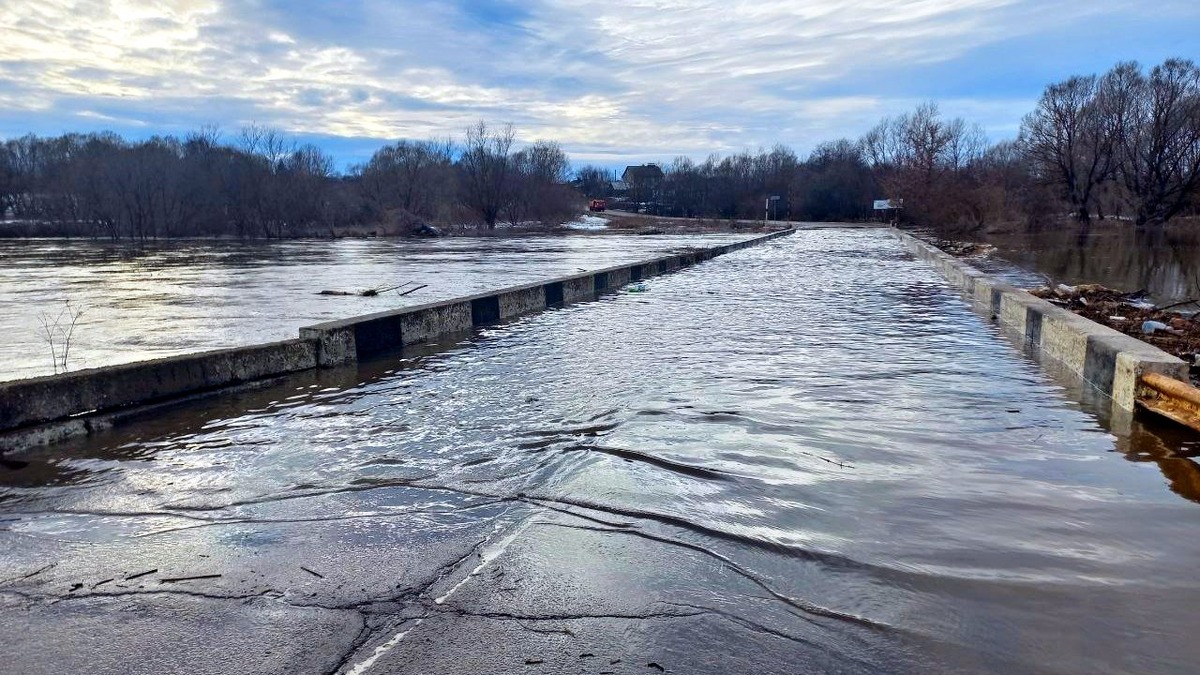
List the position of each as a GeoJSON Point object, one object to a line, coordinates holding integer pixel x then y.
{"type": "Point", "coordinates": [645, 185]}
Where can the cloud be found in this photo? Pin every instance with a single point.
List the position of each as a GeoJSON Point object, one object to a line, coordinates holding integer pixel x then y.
{"type": "Point", "coordinates": [642, 78]}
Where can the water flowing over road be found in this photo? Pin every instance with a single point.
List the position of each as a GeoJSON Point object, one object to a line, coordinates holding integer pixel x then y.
{"type": "Point", "coordinates": [808, 456]}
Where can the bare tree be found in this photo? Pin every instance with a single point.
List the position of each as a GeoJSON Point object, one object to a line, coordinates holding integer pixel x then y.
{"type": "Point", "coordinates": [1157, 119]}
{"type": "Point", "coordinates": [537, 184]}
{"type": "Point", "coordinates": [485, 163]}
{"type": "Point", "coordinates": [266, 142]}
{"type": "Point", "coordinates": [594, 181]}
{"type": "Point", "coordinates": [1071, 142]}
{"type": "Point", "coordinates": [927, 161]}
{"type": "Point", "coordinates": [413, 176]}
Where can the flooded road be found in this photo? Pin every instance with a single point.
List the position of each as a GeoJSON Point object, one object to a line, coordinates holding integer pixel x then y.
{"type": "Point", "coordinates": [178, 297]}
{"type": "Point", "coordinates": [807, 456]}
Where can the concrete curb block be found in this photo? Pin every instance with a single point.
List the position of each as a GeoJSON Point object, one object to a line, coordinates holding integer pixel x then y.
{"type": "Point", "coordinates": [74, 403]}
{"type": "Point", "coordinates": [44, 399]}
{"type": "Point", "coordinates": [348, 340]}
{"type": "Point", "coordinates": [1107, 359]}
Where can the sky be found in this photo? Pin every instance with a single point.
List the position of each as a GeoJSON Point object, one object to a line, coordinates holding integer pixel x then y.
{"type": "Point", "coordinates": [613, 82]}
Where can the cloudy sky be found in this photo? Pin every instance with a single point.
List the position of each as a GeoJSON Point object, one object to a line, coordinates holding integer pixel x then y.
{"type": "Point", "coordinates": [614, 81]}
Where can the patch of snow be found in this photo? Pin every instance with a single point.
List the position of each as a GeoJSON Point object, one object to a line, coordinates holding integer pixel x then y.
{"type": "Point", "coordinates": [587, 223]}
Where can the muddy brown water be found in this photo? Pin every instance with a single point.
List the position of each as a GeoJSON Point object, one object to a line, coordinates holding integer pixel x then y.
{"type": "Point", "coordinates": [805, 456]}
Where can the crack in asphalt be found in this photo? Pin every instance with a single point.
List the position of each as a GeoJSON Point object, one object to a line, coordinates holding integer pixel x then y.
{"type": "Point", "coordinates": [520, 618]}
{"type": "Point", "coordinates": [802, 605]}
{"type": "Point", "coordinates": [269, 593]}
{"type": "Point", "coordinates": [756, 627]}
{"type": "Point", "coordinates": [374, 612]}
{"type": "Point", "coordinates": [422, 595]}
{"type": "Point", "coordinates": [365, 633]}
{"type": "Point", "coordinates": [270, 499]}
{"type": "Point", "coordinates": [330, 519]}
{"type": "Point", "coordinates": [370, 608]}
{"type": "Point", "coordinates": [367, 606]}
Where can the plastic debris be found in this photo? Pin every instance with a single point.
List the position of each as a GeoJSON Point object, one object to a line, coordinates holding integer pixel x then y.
{"type": "Point", "coordinates": [1175, 332]}
{"type": "Point", "coordinates": [1152, 327]}
{"type": "Point", "coordinates": [638, 288]}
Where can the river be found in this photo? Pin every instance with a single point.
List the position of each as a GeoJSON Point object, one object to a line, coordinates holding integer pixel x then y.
{"type": "Point", "coordinates": [806, 456]}
{"type": "Point", "coordinates": [182, 296]}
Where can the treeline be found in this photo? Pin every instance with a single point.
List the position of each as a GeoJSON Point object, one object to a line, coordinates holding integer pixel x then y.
{"type": "Point", "coordinates": [1124, 144]}
{"type": "Point", "coordinates": [262, 184]}
{"type": "Point", "coordinates": [944, 170]}
{"type": "Point", "coordinates": [833, 183]}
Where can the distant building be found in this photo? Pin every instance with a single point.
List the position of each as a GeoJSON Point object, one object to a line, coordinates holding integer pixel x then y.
{"type": "Point", "coordinates": [644, 186]}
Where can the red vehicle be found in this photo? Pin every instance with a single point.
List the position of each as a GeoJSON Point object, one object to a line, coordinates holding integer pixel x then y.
{"type": "Point", "coordinates": [597, 205]}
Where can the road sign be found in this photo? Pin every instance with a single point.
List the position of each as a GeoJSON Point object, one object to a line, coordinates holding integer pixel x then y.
{"type": "Point", "coordinates": [768, 204]}
{"type": "Point", "coordinates": [885, 204]}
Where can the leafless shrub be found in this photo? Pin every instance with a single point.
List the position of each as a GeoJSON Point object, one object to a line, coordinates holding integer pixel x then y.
{"type": "Point", "coordinates": [58, 330]}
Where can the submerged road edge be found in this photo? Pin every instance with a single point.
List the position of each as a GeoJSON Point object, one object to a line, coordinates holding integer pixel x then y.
{"type": "Point", "coordinates": [1107, 359]}
{"type": "Point", "coordinates": [44, 410]}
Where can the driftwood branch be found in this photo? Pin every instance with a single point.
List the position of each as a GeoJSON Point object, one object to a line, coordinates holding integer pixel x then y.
{"type": "Point", "coordinates": [378, 290]}
{"type": "Point", "coordinates": [1193, 301]}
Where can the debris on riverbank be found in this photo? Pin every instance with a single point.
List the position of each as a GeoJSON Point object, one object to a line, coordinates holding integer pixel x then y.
{"type": "Point", "coordinates": [1173, 331]}
{"type": "Point", "coordinates": [962, 249]}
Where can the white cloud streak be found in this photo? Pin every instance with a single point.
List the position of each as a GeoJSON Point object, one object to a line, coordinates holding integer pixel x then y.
{"type": "Point", "coordinates": [637, 78]}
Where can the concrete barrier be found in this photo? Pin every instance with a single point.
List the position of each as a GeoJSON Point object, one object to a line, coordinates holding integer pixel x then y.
{"type": "Point", "coordinates": [348, 340]}
{"type": "Point", "coordinates": [46, 409]}
{"type": "Point", "coordinates": [45, 399]}
{"type": "Point", "coordinates": [1105, 358]}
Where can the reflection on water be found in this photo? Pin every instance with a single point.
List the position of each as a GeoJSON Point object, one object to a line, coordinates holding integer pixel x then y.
{"type": "Point", "coordinates": [899, 482]}
{"type": "Point", "coordinates": [1163, 261]}
{"type": "Point", "coordinates": [1171, 448]}
{"type": "Point", "coordinates": [178, 297]}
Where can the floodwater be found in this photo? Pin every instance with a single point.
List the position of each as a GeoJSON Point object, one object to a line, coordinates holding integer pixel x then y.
{"type": "Point", "coordinates": [180, 297]}
{"type": "Point", "coordinates": [807, 456]}
{"type": "Point", "coordinates": [1163, 261]}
